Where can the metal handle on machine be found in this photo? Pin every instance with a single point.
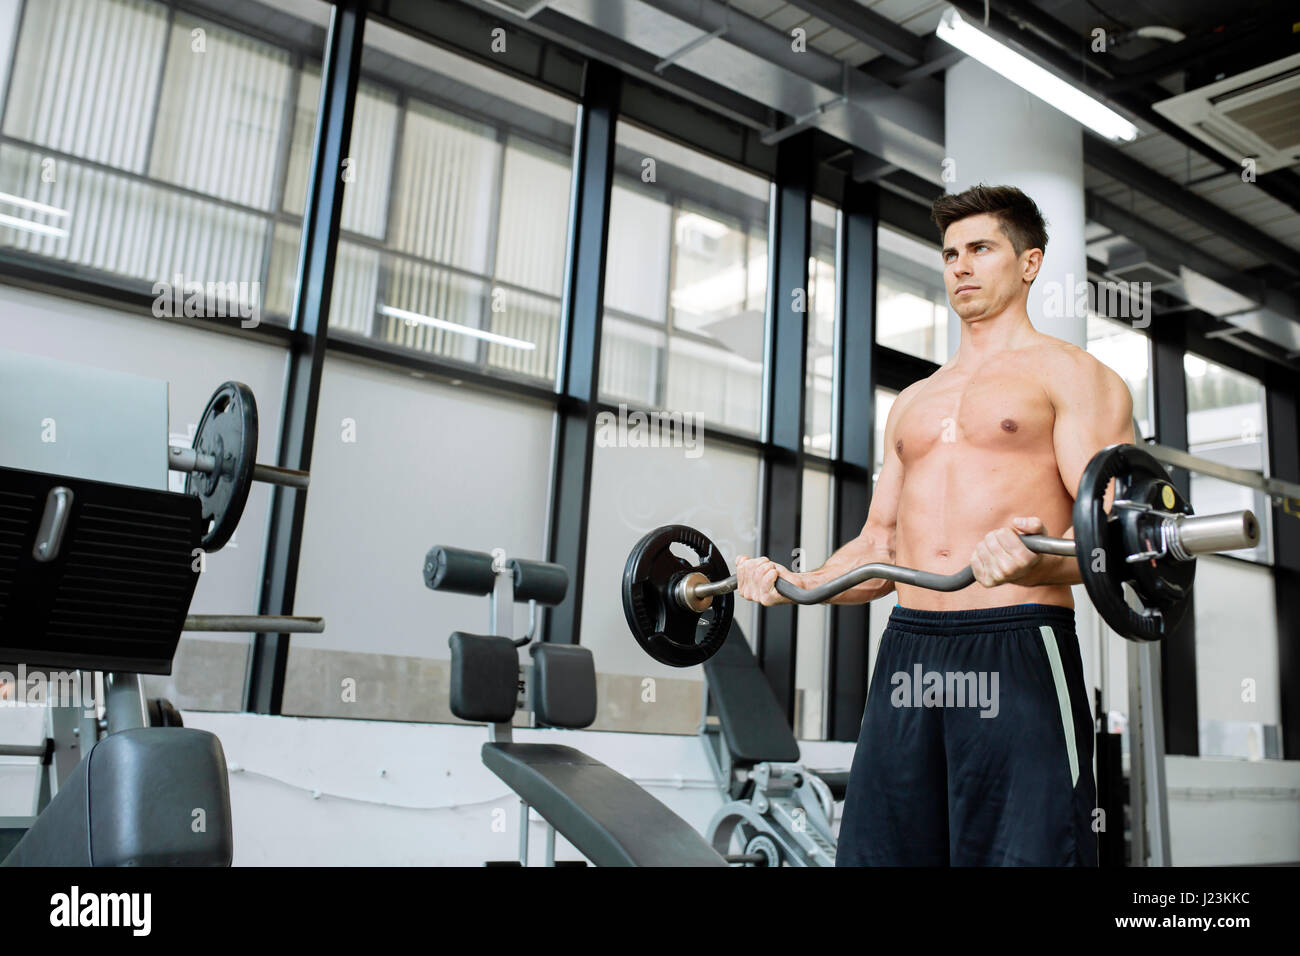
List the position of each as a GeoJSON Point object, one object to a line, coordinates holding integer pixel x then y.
{"type": "Point", "coordinates": [49, 537]}
{"type": "Point", "coordinates": [254, 624]}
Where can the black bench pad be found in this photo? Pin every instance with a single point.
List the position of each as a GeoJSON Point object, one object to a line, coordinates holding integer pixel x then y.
{"type": "Point", "coordinates": [754, 726]}
{"type": "Point", "coordinates": [607, 817]}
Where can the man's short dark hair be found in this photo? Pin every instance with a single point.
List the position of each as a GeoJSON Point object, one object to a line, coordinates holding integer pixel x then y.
{"type": "Point", "coordinates": [1021, 221]}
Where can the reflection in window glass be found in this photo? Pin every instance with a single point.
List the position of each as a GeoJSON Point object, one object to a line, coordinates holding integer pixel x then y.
{"type": "Point", "coordinates": [819, 376]}
{"type": "Point", "coordinates": [884, 402]}
{"type": "Point", "coordinates": [911, 302]}
{"type": "Point", "coordinates": [159, 158]}
{"type": "Point", "coordinates": [456, 216]}
{"type": "Point", "coordinates": [881, 607]}
{"type": "Point", "coordinates": [812, 621]}
{"type": "Point", "coordinates": [1128, 353]}
{"type": "Point", "coordinates": [1225, 423]}
{"type": "Point", "coordinates": [1236, 648]}
{"type": "Point", "coordinates": [685, 284]}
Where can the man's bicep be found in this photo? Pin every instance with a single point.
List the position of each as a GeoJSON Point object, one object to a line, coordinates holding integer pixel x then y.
{"type": "Point", "coordinates": [882, 516]}
{"type": "Point", "coordinates": [1094, 409]}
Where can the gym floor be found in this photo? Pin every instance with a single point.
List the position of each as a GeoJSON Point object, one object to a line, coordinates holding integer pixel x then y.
{"type": "Point", "coordinates": [499, 288]}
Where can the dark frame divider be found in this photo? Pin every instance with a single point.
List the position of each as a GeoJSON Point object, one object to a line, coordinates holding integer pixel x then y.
{"type": "Point", "coordinates": [264, 687]}
{"type": "Point", "coordinates": [781, 497]}
{"type": "Point", "coordinates": [579, 359]}
{"type": "Point", "coordinates": [1178, 651]}
{"type": "Point", "coordinates": [855, 435]}
{"type": "Point", "coordinates": [1282, 417]}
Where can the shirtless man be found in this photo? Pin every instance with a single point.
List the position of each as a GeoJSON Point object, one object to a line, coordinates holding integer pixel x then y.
{"type": "Point", "coordinates": [992, 445]}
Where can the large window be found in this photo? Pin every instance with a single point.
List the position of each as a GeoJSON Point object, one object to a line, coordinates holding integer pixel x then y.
{"type": "Point", "coordinates": [911, 303]}
{"type": "Point", "coordinates": [881, 608]}
{"type": "Point", "coordinates": [685, 283]}
{"type": "Point", "coordinates": [1225, 423]}
{"type": "Point", "coordinates": [812, 620]}
{"type": "Point", "coordinates": [1238, 681]}
{"type": "Point", "coordinates": [141, 143]}
{"type": "Point", "coordinates": [819, 377]}
{"type": "Point", "coordinates": [457, 210]}
{"type": "Point", "coordinates": [634, 489]}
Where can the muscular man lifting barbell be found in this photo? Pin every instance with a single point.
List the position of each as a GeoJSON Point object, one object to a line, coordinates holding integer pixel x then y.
{"type": "Point", "coordinates": [999, 437]}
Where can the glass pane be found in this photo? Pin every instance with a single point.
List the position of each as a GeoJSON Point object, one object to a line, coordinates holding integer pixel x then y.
{"type": "Point", "coordinates": [911, 302]}
{"type": "Point", "coordinates": [1225, 423]}
{"type": "Point", "coordinates": [152, 156]}
{"type": "Point", "coordinates": [374, 132]}
{"type": "Point", "coordinates": [456, 218]}
{"type": "Point", "coordinates": [884, 402]}
{"type": "Point", "coordinates": [881, 608]}
{"type": "Point", "coordinates": [635, 489]}
{"type": "Point", "coordinates": [1128, 353]}
{"type": "Point", "coordinates": [148, 155]}
{"type": "Point", "coordinates": [686, 283]}
{"type": "Point", "coordinates": [387, 633]}
{"type": "Point", "coordinates": [226, 94]}
{"type": "Point", "coordinates": [1238, 684]}
{"type": "Point", "coordinates": [812, 620]}
{"type": "Point", "coordinates": [819, 379]}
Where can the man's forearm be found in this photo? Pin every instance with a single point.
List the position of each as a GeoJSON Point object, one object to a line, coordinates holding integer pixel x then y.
{"type": "Point", "coordinates": [1053, 569]}
{"type": "Point", "coordinates": [852, 555]}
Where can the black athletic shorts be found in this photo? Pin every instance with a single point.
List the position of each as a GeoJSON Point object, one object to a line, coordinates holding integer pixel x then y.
{"type": "Point", "coordinates": [976, 744]}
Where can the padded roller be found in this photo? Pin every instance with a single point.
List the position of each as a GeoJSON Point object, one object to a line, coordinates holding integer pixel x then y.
{"type": "Point", "coordinates": [539, 581]}
{"type": "Point", "coordinates": [458, 570]}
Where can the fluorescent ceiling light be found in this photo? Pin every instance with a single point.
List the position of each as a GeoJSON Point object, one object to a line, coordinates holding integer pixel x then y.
{"type": "Point", "coordinates": [13, 222]}
{"type": "Point", "coordinates": [454, 327]}
{"type": "Point", "coordinates": [1031, 77]}
{"type": "Point", "coordinates": [10, 200]}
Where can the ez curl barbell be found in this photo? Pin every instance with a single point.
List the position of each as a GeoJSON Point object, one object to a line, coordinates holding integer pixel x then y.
{"type": "Point", "coordinates": [680, 612]}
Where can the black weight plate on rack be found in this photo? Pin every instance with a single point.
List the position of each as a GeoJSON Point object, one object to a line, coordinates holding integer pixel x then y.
{"type": "Point", "coordinates": [228, 432]}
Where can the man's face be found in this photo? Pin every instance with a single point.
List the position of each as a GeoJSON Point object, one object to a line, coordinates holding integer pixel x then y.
{"type": "Point", "coordinates": [981, 271]}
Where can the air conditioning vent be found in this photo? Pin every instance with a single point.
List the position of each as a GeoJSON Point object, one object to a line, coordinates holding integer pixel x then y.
{"type": "Point", "coordinates": [1251, 115]}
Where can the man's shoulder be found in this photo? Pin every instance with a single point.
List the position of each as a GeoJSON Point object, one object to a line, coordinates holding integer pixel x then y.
{"type": "Point", "coordinates": [1063, 361]}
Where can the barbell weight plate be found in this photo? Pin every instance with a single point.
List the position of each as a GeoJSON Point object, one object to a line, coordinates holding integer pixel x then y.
{"type": "Point", "coordinates": [1105, 541]}
{"type": "Point", "coordinates": [668, 632]}
{"type": "Point", "coordinates": [228, 432]}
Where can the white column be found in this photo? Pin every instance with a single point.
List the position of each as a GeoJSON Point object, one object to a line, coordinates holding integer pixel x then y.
{"type": "Point", "coordinates": [1000, 135]}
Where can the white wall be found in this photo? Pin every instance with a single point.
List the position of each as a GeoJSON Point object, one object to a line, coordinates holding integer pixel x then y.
{"type": "Point", "coordinates": [394, 794]}
{"type": "Point", "coordinates": [401, 464]}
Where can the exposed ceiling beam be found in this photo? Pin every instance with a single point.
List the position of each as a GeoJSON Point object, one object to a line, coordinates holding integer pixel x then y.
{"type": "Point", "coordinates": [1114, 162]}
{"type": "Point", "coordinates": [867, 26]}
{"type": "Point", "coordinates": [904, 127]}
{"type": "Point", "coordinates": [937, 57]}
{"type": "Point", "coordinates": [1174, 250]}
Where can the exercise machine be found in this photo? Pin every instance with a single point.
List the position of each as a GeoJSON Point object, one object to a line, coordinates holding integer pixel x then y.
{"type": "Point", "coordinates": [607, 817]}
{"type": "Point", "coordinates": [779, 811]}
{"type": "Point", "coordinates": [97, 571]}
